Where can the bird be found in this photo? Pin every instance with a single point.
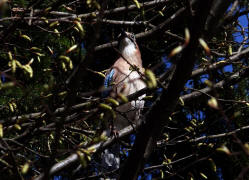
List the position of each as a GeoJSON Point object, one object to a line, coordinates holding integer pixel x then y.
{"type": "Point", "coordinates": [124, 77]}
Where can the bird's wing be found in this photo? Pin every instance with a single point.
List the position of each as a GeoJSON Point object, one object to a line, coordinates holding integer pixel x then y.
{"type": "Point", "coordinates": [108, 82]}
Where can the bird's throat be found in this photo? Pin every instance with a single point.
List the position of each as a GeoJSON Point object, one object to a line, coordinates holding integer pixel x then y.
{"type": "Point", "coordinates": [129, 52]}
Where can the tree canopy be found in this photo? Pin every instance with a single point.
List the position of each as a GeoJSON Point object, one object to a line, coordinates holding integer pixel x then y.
{"type": "Point", "coordinates": [53, 60]}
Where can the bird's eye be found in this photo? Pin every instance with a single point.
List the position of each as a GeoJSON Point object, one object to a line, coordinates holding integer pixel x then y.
{"type": "Point", "coordinates": [132, 36]}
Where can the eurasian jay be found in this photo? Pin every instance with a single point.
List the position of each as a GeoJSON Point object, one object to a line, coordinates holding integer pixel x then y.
{"type": "Point", "coordinates": [125, 78]}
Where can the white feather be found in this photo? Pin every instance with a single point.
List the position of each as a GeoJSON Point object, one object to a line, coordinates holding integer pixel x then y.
{"type": "Point", "coordinates": [128, 49]}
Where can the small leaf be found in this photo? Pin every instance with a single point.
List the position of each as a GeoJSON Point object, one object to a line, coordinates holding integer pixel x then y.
{"type": "Point", "coordinates": [223, 149]}
{"type": "Point", "coordinates": [13, 66]}
{"type": "Point", "coordinates": [193, 122]}
{"type": "Point", "coordinates": [72, 48]}
{"type": "Point", "coordinates": [11, 107]}
{"type": "Point", "coordinates": [14, 105]}
{"type": "Point", "coordinates": [113, 114]}
{"type": "Point", "coordinates": [44, 19]}
{"type": "Point", "coordinates": [187, 36]}
{"type": "Point", "coordinates": [57, 32]}
{"type": "Point", "coordinates": [105, 106]}
{"type": "Point", "coordinates": [151, 82]}
{"type": "Point", "coordinates": [63, 65]}
{"type": "Point", "coordinates": [48, 9]}
{"type": "Point", "coordinates": [220, 62]}
{"type": "Point", "coordinates": [7, 85]}
{"type": "Point", "coordinates": [208, 83]}
{"type": "Point", "coordinates": [19, 64]}
{"type": "Point", "coordinates": [189, 129]}
{"type": "Point", "coordinates": [213, 103]}
{"type": "Point", "coordinates": [31, 61]}
{"type": "Point", "coordinates": [82, 159]}
{"type": "Point", "coordinates": [103, 137]}
{"type": "Point", "coordinates": [10, 56]}
{"type": "Point", "coordinates": [35, 49]}
{"type": "Point", "coordinates": [203, 175]}
{"type": "Point", "coordinates": [25, 168]}
{"type": "Point", "coordinates": [190, 176]}
{"type": "Point", "coordinates": [210, 145]}
{"type": "Point", "coordinates": [147, 97]}
{"type": "Point", "coordinates": [70, 65]}
{"type": "Point", "coordinates": [201, 144]}
{"type": "Point", "coordinates": [26, 37]}
{"type": "Point", "coordinates": [93, 14]}
{"type": "Point", "coordinates": [66, 58]}
{"type": "Point", "coordinates": [100, 73]}
{"type": "Point", "coordinates": [137, 3]}
{"type": "Point", "coordinates": [123, 98]}
{"type": "Point", "coordinates": [88, 2]}
{"type": "Point", "coordinates": [162, 174]}
{"type": "Point", "coordinates": [97, 5]}
{"type": "Point", "coordinates": [101, 116]}
{"type": "Point", "coordinates": [79, 26]}
{"type": "Point", "coordinates": [50, 50]}
{"type": "Point", "coordinates": [55, 23]}
{"type": "Point", "coordinates": [39, 54]}
{"type": "Point", "coordinates": [205, 46]}
{"type": "Point", "coordinates": [1, 130]}
{"type": "Point", "coordinates": [212, 164]}
{"type": "Point", "coordinates": [161, 13]}
{"type": "Point", "coordinates": [230, 50]}
{"type": "Point", "coordinates": [5, 163]}
{"type": "Point", "coordinates": [62, 93]}
{"type": "Point", "coordinates": [68, 8]}
{"type": "Point", "coordinates": [181, 101]}
{"type": "Point", "coordinates": [28, 69]}
{"type": "Point", "coordinates": [175, 51]}
{"type": "Point", "coordinates": [204, 59]}
{"type": "Point", "coordinates": [51, 136]}
{"type": "Point", "coordinates": [168, 161]}
{"type": "Point", "coordinates": [236, 114]}
{"type": "Point", "coordinates": [76, 29]}
{"type": "Point", "coordinates": [246, 145]}
{"type": "Point", "coordinates": [17, 127]}
{"type": "Point", "coordinates": [166, 136]}
{"type": "Point", "coordinates": [112, 101]}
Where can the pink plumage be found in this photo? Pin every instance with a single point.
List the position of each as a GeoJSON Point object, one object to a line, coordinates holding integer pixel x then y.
{"type": "Point", "coordinates": [127, 81]}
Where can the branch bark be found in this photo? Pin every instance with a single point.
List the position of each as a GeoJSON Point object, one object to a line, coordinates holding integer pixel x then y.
{"type": "Point", "coordinates": [70, 160]}
{"type": "Point", "coordinates": [165, 105]}
{"type": "Point", "coordinates": [73, 158]}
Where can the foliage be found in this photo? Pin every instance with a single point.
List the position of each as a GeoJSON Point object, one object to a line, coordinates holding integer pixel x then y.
{"type": "Point", "coordinates": [53, 58]}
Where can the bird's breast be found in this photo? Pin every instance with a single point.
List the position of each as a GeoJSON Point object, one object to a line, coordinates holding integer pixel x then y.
{"type": "Point", "coordinates": [129, 82]}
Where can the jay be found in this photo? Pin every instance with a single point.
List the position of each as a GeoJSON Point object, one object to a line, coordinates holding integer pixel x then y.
{"type": "Point", "coordinates": [124, 79]}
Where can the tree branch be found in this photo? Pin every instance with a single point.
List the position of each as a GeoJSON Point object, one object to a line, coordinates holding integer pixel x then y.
{"type": "Point", "coordinates": [165, 105]}
{"type": "Point", "coordinates": [130, 129]}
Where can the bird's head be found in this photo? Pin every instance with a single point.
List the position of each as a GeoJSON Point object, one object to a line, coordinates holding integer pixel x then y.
{"type": "Point", "coordinates": [126, 38]}
{"type": "Point", "coordinates": [127, 43]}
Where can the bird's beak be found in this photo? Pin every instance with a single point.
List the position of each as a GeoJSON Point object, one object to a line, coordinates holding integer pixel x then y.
{"type": "Point", "coordinates": [122, 34]}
